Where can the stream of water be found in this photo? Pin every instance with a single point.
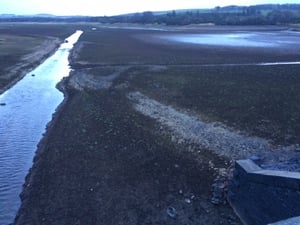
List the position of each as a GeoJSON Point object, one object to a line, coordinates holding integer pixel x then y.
{"type": "Point", "coordinates": [25, 110]}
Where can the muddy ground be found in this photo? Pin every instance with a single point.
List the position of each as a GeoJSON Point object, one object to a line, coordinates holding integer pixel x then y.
{"type": "Point", "coordinates": [103, 161]}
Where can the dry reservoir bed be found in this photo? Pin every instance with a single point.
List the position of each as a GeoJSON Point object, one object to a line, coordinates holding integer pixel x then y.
{"type": "Point", "coordinates": [119, 153]}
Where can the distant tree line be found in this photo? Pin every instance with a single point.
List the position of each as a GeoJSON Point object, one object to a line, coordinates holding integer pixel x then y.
{"type": "Point", "coordinates": [268, 14]}
{"type": "Point", "coordinates": [230, 15]}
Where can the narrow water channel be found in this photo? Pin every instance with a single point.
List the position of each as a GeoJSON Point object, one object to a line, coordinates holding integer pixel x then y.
{"type": "Point", "coordinates": [25, 109]}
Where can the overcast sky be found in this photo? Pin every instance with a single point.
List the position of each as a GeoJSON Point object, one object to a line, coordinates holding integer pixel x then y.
{"type": "Point", "coordinates": [114, 7]}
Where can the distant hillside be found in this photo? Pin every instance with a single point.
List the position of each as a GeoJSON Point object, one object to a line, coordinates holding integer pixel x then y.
{"type": "Point", "coordinates": [42, 18]}
{"type": "Point", "coordinates": [267, 14]}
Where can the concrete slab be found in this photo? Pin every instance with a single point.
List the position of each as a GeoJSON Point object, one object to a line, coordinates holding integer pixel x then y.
{"type": "Point", "coordinates": [262, 197]}
{"type": "Point", "coordinates": [290, 221]}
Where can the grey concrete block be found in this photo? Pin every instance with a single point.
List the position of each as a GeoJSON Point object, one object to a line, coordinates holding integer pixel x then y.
{"type": "Point", "coordinates": [247, 166]}
{"type": "Point", "coordinates": [290, 221]}
{"type": "Point", "coordinates": [262, 197]}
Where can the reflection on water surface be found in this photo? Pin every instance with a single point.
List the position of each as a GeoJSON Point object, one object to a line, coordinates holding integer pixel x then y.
{"type": "Point", "coordinates": [27, 108]}
{"type": "Point", "coordinates": [242, 39]}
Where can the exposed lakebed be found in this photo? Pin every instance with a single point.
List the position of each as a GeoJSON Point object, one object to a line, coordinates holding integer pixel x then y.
{"type": "Point", "coordinates": [104, 158]}
{"type": "Point", "coordinates": [238, 39]}
{"type": "Point", "coordinates": [25, 110]}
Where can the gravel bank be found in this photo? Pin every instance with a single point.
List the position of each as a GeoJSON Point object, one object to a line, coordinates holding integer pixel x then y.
{"type": "Point", "coordinates": [217, 137]}
{"type": "Point", "coordinates": [82, 79]}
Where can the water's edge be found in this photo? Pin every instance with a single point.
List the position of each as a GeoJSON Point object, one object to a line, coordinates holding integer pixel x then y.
{"type": "Point", "coordinates": [26, 188]}
{"type": "Point", "coordinates": [40, 150]}
{"type": "Point", "coordinates": [31, 67]}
